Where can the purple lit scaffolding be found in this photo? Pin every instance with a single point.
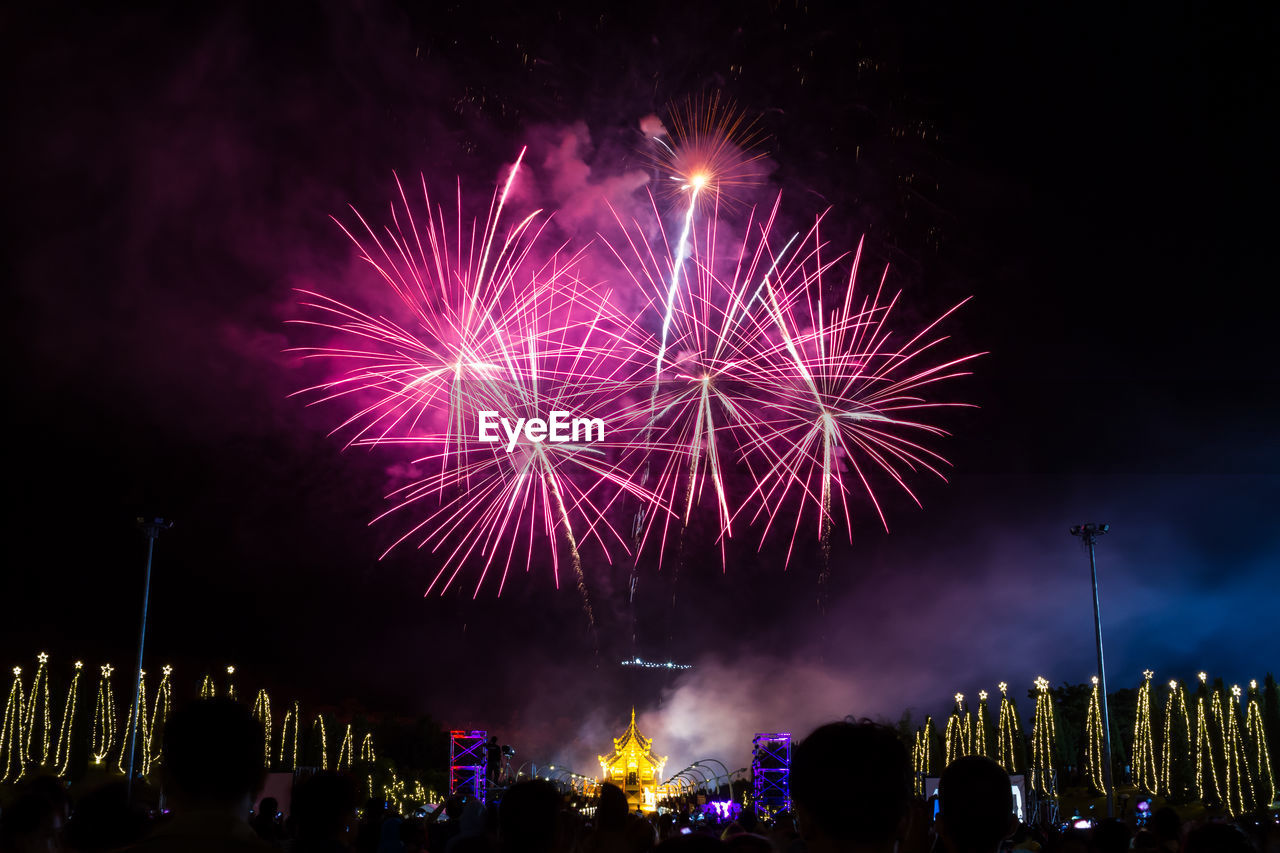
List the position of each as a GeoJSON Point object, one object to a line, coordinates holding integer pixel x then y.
{"type": "Point", "coordinates": [466, 762]}
{"type": "Point", "coordinates": [771, 771]}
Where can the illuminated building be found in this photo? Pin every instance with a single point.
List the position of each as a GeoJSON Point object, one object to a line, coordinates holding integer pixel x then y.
{"type": "Point", "coordinates": [634, 768]}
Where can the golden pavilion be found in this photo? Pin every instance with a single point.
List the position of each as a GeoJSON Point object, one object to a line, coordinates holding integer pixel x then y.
{"type": "Point", "coordinates": [634, 768]}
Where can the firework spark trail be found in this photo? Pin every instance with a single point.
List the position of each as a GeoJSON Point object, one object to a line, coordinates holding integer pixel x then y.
{"type": "Point", "coordinates": [844, 399]}
{"type": "Point", "coordinates": [458, 298]}
{"type": "Point", "coordinates": [682, 252]}
{"type": "Point", "coordinates": [711, 148]}
{"type": "Point", "coordinates": [576, 558]}
{"type": "Point", "coordinates": [721, 347]}
{"type": "Point", "coordinates": [556, 358]}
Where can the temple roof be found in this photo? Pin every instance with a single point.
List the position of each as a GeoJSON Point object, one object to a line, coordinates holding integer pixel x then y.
{"type": "Point", "coordinates": [633, 745]}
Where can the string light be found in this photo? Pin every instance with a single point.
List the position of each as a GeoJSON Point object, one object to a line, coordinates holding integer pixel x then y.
{"type": "Point", "coordinates": [920, 760]}
{"type": "Point", "coordinates": [1009, 731]}
{"type": "Point", "coordinates": [1044, 741]}
{"type": "Point", "coordinates": [1146, 774]}
{"type": "Point", "coordinates": [231, 683]}
{"type": "Point", "coordinates": [402, 799]}
{"type": "Point", "coordinates": [1175, 711]}
{"type": "Point", "coordinates": [346, 752]}
{"type": "Point", "coordinates": [104, 717]}
{"type": "Point", "coordinates": [160, 716]}
{"type": "Point", "coordinates": [207, 688]}
{"type": "Point", "coordinates": [1241, 796]}
{"type": "Point", "coordinates": [62, 757]}
{"type": "Point", "coordinates": [1093, 735]}
{"type": "Point", "coordinates": [980, 728]}
{"type": "Point", "coordinates": [12, 738]}
{"type": "Point", "coordinates": [292, 717]}
{"type": "Point", "coordinates": [1260, 757]}
{"type": "Point", "coordinates": [324, 742]}
{"type": "Point", "coordinates": [141, 725]}
{"type": "Point", "coordinates": [958, 736]}
{"type": "Point", "coordinates": [1217, 730]}
{"type": "Point", "coordinates": [262, 713]}
{"type": "Point", "coordinates": [1204, 753]}
{"type": "Point", "coordinates": [37, 716]}
{"type": "Point", "coordinates": [367, 756]}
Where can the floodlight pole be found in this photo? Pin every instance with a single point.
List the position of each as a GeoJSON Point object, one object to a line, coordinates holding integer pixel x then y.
{"type": "Point", "coordinates": [151, 527]}
{"type": "Point", "coordinates": [1089, 533]}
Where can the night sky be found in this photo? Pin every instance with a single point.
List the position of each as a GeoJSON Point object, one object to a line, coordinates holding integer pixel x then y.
{"type": "Point", "coordinates": [1099, 181]}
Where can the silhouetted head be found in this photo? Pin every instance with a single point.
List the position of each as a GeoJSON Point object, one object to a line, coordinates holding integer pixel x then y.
{"type": "Point", "coordinates": [851, 784]}
{"type": "Point", "coordinates": [104, 820]}
{"type": "Point", "coordinates": [31, 822]}
{"type": "Point", "coordinates": [692, 843]}
{"type": "Point", "coordinates": [1166, 824]}
{"type": "Point", "coordinates": [324, 807]}
{"type": "Point", "coordinates": [213, 754]}
{"type": "Point", "coordinates": [748, 842]}
{"type": "Point", "coordinates": [611, 811]}
{"type": "Point", "coordinates": [1111, 836]}
{"type": "Point", "coordinates": [529, 817]}
{"type": "Point", "coordinates": [1145, 839]}
{"type": "Point", "coordinates": [453, 807]}
{"type": "Point", "coordinates": [975, 805]}
{"type": "Point", "coordinates": [1217, 838]}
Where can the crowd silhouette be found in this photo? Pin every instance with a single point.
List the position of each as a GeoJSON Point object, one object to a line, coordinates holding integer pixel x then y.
{"type": "Point", "coordinates": [852, 791]}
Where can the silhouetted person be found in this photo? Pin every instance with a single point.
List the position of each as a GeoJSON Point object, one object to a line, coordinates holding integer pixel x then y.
{"type": "Point", "coordinates": [692, 843]}
{"type": "Point", "coordinates": [1110, 836]}
{"type": "Point", "coordinates": [266, 822]}
{"type": "Point", "coordinates": [324, 808]}
{"type": "Point", "coordinates": [748, 842]}
{"type": "Point", "coordinates": [1167, 826]}
{"type": "Point", "coordinates": [439, 834]}
{"type": "Point", "coordinates": [492, 759]}
{"type": "Point", "coordinates": [1218, 838]}
{"type": "Point", "coordinates": [213, 772]}
{"type": "Point", "coordinates": [104, 820]}
{"type": "Point", "coordinates": [389, 835]}
{"type": "Point", "coordinates": [851, 787]}
{"type": "Point", "coordinates": [640, 835]}
{"type": "Point", "coordinates": [31, 824]}
{"type": "Point", "coordinates": [975, 806]}
{"type": "Point", "coordinates": [611, 811]}
{"type": "Point", "coordinates": [369, 833]}
{"type": "Point", "coordinates": [529, 818]}
{"type": "Point", "coordinates": [609, 832]}
{"type": "Point", "coordinates": [413, 835]}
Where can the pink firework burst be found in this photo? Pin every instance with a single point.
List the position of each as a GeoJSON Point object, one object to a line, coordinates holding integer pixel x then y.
{"type": "Point", "coordinates": [508, 491]}
{"type": "Point", "coordinates": [847, 400]}
{"type": "Point", "coordinates": [485, 322]}
{"type": "Point", "coordinates": [719, 342]}
{"type": "Point", "coordinates": [456, 287]}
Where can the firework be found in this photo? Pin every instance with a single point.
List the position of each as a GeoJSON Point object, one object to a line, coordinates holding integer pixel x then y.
{"type": "Point", "coordinates": [499, 326]}
{"type": "Point", "coordinates": [456, 287]}
{"type": "Point", "coordinates": [755, 367]}
{"type": "Point", "coordinates": [846, 395]}
{"type": "Point", "coordinates": [712, 148]}
{"type": "Point", "coordinates": [569, 353]}
{"type": "Point", "coordinates": [707, 399]}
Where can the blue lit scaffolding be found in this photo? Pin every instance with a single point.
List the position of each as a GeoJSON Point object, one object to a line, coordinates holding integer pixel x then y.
{"type": "Point", "coordinates": [466, 762]}
{"type": "Point", "coordinates": [771, 771]}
